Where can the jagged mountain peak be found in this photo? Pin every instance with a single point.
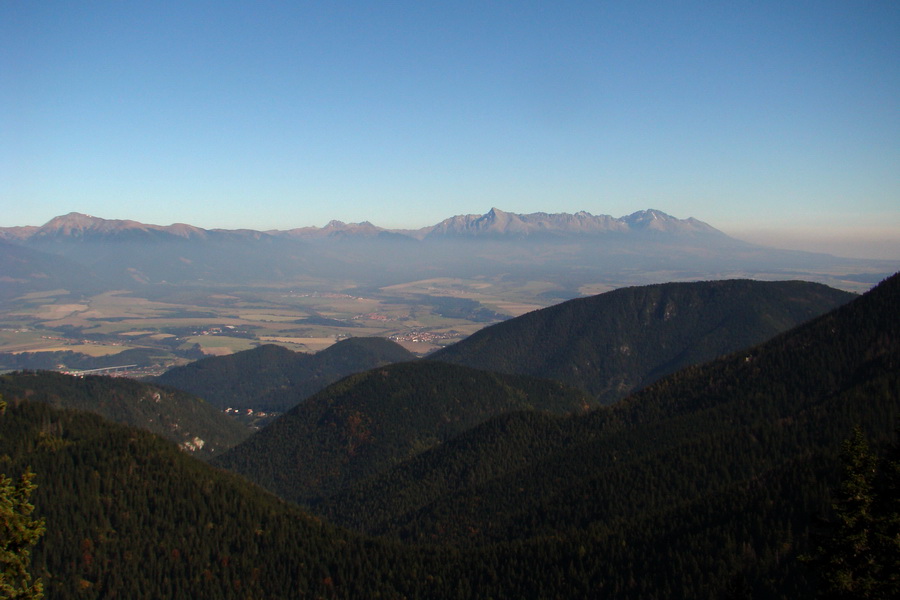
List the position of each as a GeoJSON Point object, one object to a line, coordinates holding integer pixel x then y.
{"type": "Point", "coordinates": [656, 220]}
{"type": "Point", "coordinates": [498, 222]}
{"type": "Point", "coordinates": [494, 223]}
{"type": "Point", "coordinates": [650, 214]}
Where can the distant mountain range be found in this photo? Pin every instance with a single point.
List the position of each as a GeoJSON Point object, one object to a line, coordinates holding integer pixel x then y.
{"type": "Point", "coordinates": [499, 223]}
{"type": "Point", "coordinates": [494, 223]}
{"type": "Point", "coordinates": [568, 250]}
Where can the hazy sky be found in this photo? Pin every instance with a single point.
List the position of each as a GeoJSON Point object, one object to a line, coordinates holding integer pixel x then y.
{"type": "Point", "coordinates": [752, 116]}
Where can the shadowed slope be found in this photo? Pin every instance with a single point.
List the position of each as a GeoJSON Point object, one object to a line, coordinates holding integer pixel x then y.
{"type": "Point", "coordinates": [174, 415]}
{"type": "Point", "coordinates": [614, 343]}
{"type": "Point", "coordinates": [273, 378]}
{"type": "Point", "coordinates": [369, 422]}
{"type": "Point", "coordinates": [736, 454]}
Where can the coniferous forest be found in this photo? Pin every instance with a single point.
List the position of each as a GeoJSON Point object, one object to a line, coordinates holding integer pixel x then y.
{"type": "Point", "coordinates": [732, 478]}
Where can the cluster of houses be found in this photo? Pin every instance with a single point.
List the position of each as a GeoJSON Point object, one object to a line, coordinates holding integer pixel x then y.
{"type": "Point", "coordinates": [425, 336]}
{"type": "Point", "coordinates": [246, 412]}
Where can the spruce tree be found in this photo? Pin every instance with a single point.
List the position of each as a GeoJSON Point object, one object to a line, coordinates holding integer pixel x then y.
{"type": "Point", "coordinates": [18, 534]}
{"type": "Point", "coordinates": [860, 555]}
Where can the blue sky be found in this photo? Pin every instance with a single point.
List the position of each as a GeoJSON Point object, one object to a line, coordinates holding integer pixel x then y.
{"type": "Point", "coordinates": [777, 119]}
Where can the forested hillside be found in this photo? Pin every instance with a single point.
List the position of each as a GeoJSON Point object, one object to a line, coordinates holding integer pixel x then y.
{"type": "Point", "coordinates": [174, 415]}
{"type": "Point", "coordinates": [620, 341]}
{"type": "Point", "coordinates": [706, 484]}
{"type": "Point", "coordinates": [737, 455]}
{"type": "Point", "coordinates": [368, 422]}
{"type": "Point", "coordinates": [130, 516]}
{"type": "Point", "coordinates": [273, 378]}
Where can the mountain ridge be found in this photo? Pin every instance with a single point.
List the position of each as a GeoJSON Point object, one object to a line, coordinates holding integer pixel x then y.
{"type": "Point", "coordinates": [613, 343]}
{"type": "Point", "coordinates": [499, 223]}
{"type": "Point", "coordinates": [175, 415]}
{"type": "Point", "coordinates": [273, 378]}
{"type": "Point", "coordinates": [766, 421]}
{"type": "Point", "coordinates": [494, 222]}
{"type": "Point", "coordinates": [568, 251]}
{"type": "Point", "coordinates": [79, 225]}
{"type": "Point", "coordinates": [706, 485]}
{"type": "Point", "coordinates": [368, 421]}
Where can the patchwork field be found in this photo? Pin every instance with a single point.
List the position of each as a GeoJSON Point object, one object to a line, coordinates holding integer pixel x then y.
{"type": "Point", "coordinates": [164, 325]}
{"type": "Point", "coordinates": [167, 327]}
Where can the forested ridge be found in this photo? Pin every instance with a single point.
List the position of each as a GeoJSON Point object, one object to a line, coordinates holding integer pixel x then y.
{"type": "Point", "coordinates": [172, 414]}
{"type": "Point", "coordinates": [273, 378]}
{"type": "Point", "coordinates": [613, 343]}
{"type": "Point", "coordinates": [707, 484]}
{"type": "Point", "coordinates": [371, 421]}
{"type": "Point", "coordinates": [128, 515]}
{"type": "Point", "coordinates": [736, 454]}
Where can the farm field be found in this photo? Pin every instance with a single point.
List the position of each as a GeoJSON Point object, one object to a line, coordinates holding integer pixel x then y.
{"type": "Point", "coordinates": [164, 327]}
{"type": "Point", "coordinates": [158, 326]}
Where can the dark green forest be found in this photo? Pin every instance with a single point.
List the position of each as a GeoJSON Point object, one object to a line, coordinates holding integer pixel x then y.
{"type": "Point", "coordinates": [371, 421]}
{"type": "Point", "coordinates": [172, 414]}
{"type": "Point", "coordinates": [726, 479]}
{"type": "Point", "coordinates": [128, 515]}
{"type": "Point", "coordinates": [273, 378]}
{"type": "Point", "coordinates": [614, 343]}
{"type": "Point", "coordinates": [774, 414]}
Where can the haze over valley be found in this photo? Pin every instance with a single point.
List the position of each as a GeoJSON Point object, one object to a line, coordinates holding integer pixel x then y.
{"type": "Point", "coordinates": [84, 292]}
{"type": "Point", "coordinates": [449, 300]}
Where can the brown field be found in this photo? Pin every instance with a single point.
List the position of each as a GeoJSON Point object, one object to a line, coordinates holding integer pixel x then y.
{"type": "Point", "coordinates": [305, 321]}
{"type": "Point", "coordinates": [303, 344]}
{"type": "Point", "coordinates": [304, 316]}
{"type": "Point", "coordinates": [514, 309]}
